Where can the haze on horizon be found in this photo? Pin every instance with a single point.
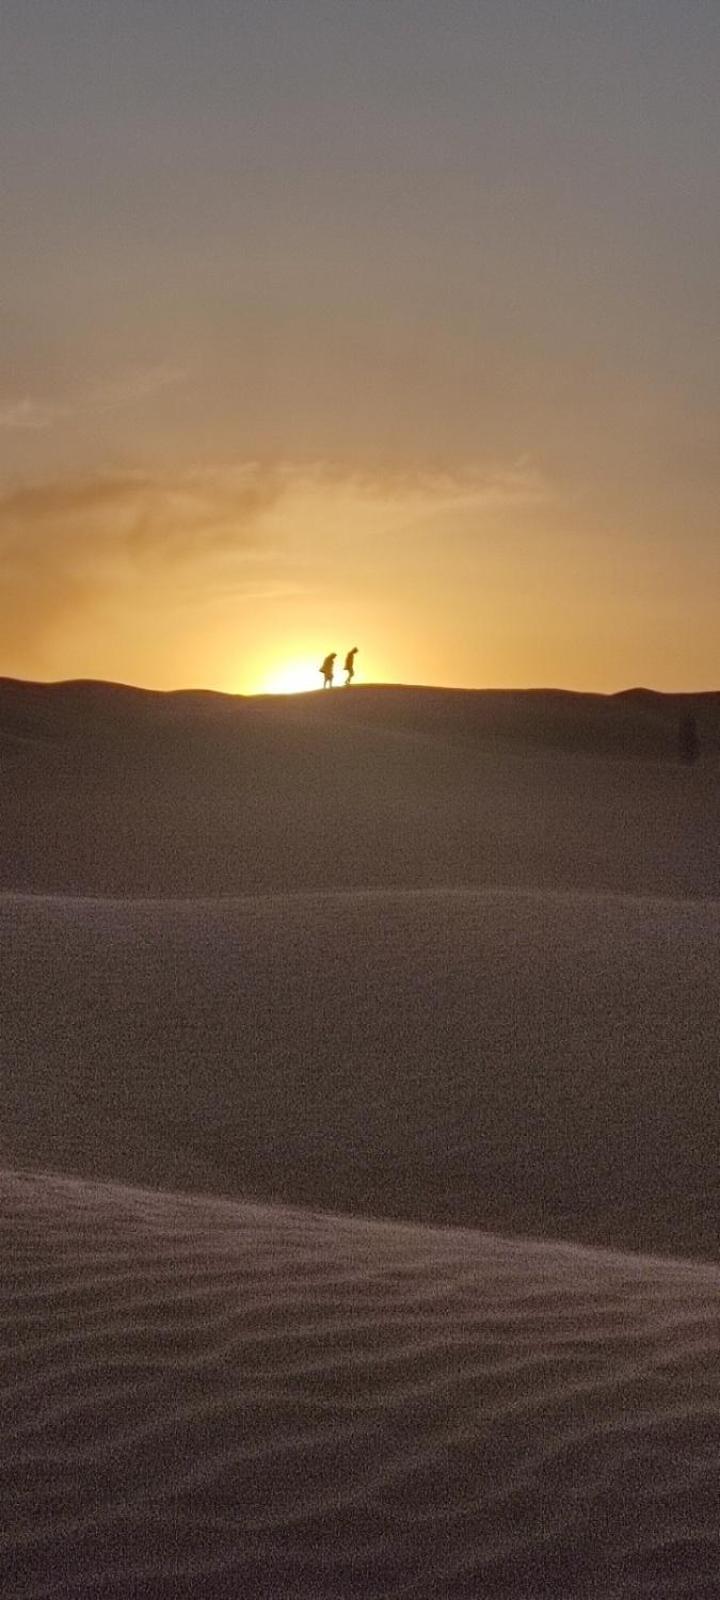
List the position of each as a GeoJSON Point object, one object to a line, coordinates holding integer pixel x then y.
{"type": "Point", "coordinates": [390, 325]}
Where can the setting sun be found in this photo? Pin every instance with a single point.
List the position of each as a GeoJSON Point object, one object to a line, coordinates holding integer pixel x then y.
{"type": "Point", "coordinates": [292, 677]}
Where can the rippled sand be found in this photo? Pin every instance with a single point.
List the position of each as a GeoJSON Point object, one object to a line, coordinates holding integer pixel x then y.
{"type": "Point", "coordinates": [219, 1398]}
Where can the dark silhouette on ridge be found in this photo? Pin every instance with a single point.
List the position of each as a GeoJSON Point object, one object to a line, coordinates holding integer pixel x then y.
{"type": "Point", "coordinates": [328, 670]}
{"type": "Point", "coordinates": [350, 664]}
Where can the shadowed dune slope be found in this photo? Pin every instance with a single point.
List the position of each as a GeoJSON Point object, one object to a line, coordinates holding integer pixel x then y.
{"type": "Point", "coordinates": [211, 1398]}
{"type": "Point", "coordinates": [113, 791]}
{"type": "Point", "coordinates": [543, 1062]}
{"type": "Point", "coordinates": [420, 956]}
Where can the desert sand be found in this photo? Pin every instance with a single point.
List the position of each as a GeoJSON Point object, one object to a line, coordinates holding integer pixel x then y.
{"type": "Point", "coordinates": [359, 1140]}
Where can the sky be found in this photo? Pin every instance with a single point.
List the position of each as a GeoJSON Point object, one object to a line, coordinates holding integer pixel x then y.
{"type": "Point", "coordinates": [391, 324]}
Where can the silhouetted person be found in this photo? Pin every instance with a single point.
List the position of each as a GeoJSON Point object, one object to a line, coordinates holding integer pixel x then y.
{"type": "Point", "coordinates": [350, 664]}
{"type": "Point", "coordinates": [328, 670]}
{"type": "Point", "coordinates": [688, 742]}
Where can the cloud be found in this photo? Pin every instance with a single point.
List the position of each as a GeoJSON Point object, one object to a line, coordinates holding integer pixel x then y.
{"type": "Point", "coordinates": [143, 510]}
{"type": "Point", "coordinates": [71, 547]}
{"type": "Point", "coordinates": [31, 415]}
{"type": "Point", "coordinates": [196, 548]}
{"type": "Point", "coordinates": [133, 386]}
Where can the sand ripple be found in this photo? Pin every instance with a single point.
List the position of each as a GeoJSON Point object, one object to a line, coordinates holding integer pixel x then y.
{"type": "Point", "coordinates": [210, 1397]}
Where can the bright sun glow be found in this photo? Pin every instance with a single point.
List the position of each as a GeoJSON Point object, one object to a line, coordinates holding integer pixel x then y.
{"type": "Point", "coordinates": [292, 677]}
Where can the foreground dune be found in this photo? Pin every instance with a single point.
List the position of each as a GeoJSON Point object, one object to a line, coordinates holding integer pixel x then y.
{"type": "Point", "coordinates": [222, 1399]}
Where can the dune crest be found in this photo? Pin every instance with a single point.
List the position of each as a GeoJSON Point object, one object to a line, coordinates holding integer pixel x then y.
{"type": "Point", "coordinates": [111, 791]}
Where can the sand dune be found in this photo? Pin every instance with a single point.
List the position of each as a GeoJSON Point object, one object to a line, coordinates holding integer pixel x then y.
{"type": "Point", "coordinates": [539, 1061]}
{"type": "Point", "coordinates": [291, 990]}
{"type": "Point", "coordinates": [119, 792]}
{"type": "Point", "coordinates": [213, 1398]}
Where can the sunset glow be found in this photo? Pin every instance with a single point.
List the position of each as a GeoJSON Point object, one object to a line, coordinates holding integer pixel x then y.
{"type": "Point", "coordinates": [292, 677]}
{"type": "Point", "coordinates": [388, 325]}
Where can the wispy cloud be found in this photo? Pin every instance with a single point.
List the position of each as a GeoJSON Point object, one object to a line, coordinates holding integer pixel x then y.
{"type": "Point", "coordinates": [199, 549]}
{"type": "Point", "coordinates": [32, 414]}
{"type": "Point", "coordinates": [72, 547]}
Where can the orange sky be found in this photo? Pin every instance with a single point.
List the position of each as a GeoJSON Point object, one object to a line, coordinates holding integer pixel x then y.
{"type": "Point", "coordinates": [383, 326]}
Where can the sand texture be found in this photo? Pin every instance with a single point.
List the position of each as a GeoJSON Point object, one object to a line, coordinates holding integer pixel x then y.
{"type": "Point", "coordinates": [213, 1397]}
{"type": "Point", "coordinates": [359, 1204]}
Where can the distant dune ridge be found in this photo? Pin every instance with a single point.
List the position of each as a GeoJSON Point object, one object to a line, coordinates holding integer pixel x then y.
{"type": "Point", "coordinates": [115, 791]}
{"type": "Point", "coordinates": [360, 1119]}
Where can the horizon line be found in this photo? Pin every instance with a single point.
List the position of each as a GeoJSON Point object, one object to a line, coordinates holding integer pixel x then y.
{"type": "Point", "coordinates": [305, 694]}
